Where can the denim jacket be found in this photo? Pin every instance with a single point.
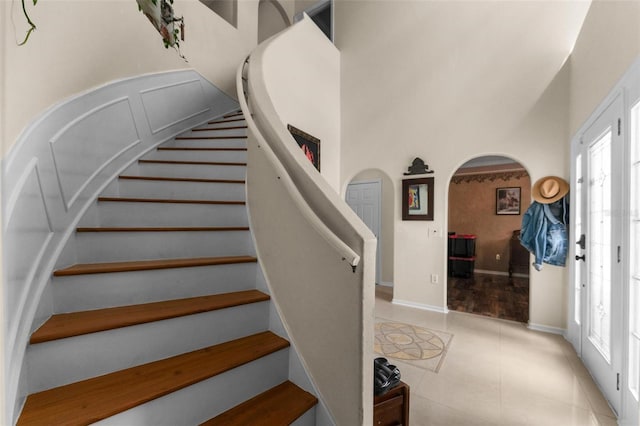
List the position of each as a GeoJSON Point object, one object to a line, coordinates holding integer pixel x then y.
{"type": "Point", "coordinates": [545, 234]}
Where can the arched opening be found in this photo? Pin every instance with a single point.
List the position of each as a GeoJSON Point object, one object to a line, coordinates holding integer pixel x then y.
{"type": "Point", "coordinates": [272, 19]}
{"type": "Point", "coordinates": [226, 9]}
{"type": "Point", "coordinates": [371, 195]}
{"type": "Point", "coordinates": [487, 268]}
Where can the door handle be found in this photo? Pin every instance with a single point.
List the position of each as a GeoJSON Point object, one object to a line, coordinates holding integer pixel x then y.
{"type": "Point", "coordinates": [581, 257]}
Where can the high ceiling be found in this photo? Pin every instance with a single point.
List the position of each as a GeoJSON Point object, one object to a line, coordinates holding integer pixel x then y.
{"type": "Point", "coordinates": [466, 67]}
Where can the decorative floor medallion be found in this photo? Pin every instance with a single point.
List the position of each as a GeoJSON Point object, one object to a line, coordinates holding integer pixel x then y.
{"type": "Point", "coordinates": [407, 342]}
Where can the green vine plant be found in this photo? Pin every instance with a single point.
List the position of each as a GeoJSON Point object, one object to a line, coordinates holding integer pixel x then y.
{"type": "Point", "coordinates": [29, 21]}
{"type": "Point", "coordinates": [163, 19]}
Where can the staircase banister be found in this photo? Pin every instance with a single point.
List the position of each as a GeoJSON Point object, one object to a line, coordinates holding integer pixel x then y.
{"type": "Point", "coordinates": [318, 194]}
{"type": "Point", "coordinates": [322, 306]}
{"type": "Point", "coordinates": [347, 253]}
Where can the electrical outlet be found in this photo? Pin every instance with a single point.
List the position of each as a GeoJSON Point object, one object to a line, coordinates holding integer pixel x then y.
{"type": "Point", "coordinates": [498, 256]}
{"type": "Point", "coordinates": [434, 278]}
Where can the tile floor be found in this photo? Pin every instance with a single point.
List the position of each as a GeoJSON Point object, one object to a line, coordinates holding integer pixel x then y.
{"type": "Point", "coordinates": [497, 372]}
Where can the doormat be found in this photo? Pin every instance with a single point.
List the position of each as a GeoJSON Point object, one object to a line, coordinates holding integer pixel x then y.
{"type": "Point", "coordinates": [418, 346]}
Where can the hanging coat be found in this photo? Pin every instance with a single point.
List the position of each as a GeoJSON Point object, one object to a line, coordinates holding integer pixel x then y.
{"type": "Point", "coordinates": [545, 234]}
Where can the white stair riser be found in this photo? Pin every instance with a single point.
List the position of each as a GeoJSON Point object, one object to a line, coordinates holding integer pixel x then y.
{"type": "Point", "coordinates": [82, 357]}
{"type": "Point", "coordinates": [96, 291]}
{"type": "Point", "coordinates": [207, 143]}
{"type": "Point", "coordinates": [170, 214]}
{"type": "Point", "coordinates": [204, 400]}
{"type": "Point", "coordinates": [220, 122]}
{"type": "Point", "coordinates": [219, 156]}
{"type": "Point", "coordinates": [181, 190]}
{"type": "Point", "coordinates": [122, 246]}
{"type": "Point", "coordinates": [192, 171]}
{"type": "Point", "coordinates": [307, 419]}
{"type": "Point", "coordinates": [219, 132]}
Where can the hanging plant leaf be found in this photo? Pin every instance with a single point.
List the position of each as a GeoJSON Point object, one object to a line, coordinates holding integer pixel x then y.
{"type": "Point", "coordinates": [33, 26]}
{"type": "Point", "coordinates": [161, 15]}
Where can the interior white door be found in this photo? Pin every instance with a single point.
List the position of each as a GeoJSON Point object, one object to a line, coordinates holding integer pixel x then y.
{"type": "Point", "coordinates": [601, 271]}
{"type": "Point", "coordinates": [364, 198]}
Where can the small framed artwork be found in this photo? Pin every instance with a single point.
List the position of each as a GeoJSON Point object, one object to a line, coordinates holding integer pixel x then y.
{"type": "Point", "coordinates": [310, 145]}
{"type": "Point", "coordinates": [508, 201]}
{"type": "Point", "coordinates": [417, 199]}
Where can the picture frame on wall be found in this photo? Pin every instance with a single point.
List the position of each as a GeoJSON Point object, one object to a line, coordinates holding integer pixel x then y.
{"type": "Point", "coordinates": [508, 201]}
{"type": "Point", "coordinates": [417, 199]}
{"type": "Point", "coordinates": [309, 145]}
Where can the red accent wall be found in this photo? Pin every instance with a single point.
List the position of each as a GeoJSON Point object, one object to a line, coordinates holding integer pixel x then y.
{"type": "Point", "coordinates": [472, 210]}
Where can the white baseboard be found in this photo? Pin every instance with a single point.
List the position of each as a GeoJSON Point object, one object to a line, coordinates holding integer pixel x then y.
{"type": "Point", "coordinates": [385, 284]}
{"type": "Point", "coordinates": [501, 273]}
{"type": "Point", "coordinates": [424, 307]}
{"type": "Point", "coordinates": [546, 329]}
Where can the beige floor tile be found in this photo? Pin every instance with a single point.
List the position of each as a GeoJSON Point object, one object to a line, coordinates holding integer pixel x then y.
{"type": "Point", "coordinates": [532, 409]}
{"type": "Point", "coordinates": [545, 375]}
{"type": "Point", "coordinates": [424, 412]}
{"type": "Point", "coordinates": [606, 420]}
{"type": "Point", "coordinates": [497, 373]}
{"type": "Point", "coordinates": [464, 387]}
{"type": "Point", "coordinates": [598, 402]}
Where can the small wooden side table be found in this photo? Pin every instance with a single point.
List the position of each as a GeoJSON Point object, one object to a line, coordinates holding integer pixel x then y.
{"type": "Point", "coordinates": [392, 408]}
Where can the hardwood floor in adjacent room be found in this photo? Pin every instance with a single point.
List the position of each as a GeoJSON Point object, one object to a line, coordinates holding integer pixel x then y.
{"type": "Point", "coordinates": [494, 296]}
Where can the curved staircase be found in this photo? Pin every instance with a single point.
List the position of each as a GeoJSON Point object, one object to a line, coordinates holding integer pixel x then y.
{"type": "Point", "coordinates": [163, 320]}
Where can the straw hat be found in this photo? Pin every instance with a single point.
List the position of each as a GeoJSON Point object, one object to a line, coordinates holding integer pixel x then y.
{"type": "Point", "coordinates": [549, 189]}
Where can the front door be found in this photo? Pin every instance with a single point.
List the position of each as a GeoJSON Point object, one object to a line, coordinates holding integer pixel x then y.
{"type": "Point", "coordinates": [599, 265]}
{"type": "Point", "coordinates": [364, 198]}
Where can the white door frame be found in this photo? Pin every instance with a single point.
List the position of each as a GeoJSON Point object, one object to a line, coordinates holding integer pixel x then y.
{"type": "Point", "coordinates": [628, 87]}
{"type": "Point", "coordinates": [606, 368]}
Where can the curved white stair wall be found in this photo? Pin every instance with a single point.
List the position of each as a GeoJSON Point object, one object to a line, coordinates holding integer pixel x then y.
{"type": "Point", "coordinates": [304, 232]}
{"type": "Point", "coordinates": [56, 169]}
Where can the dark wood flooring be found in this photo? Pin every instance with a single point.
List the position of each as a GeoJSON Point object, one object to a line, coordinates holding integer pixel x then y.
{"type": "Point", "coordinates": [494, 296]}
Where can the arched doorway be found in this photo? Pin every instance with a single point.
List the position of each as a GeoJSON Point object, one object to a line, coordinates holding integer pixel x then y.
{"type": "Point", "coordinates": [488, 269]}
{"type": "Point", "coordinates": [374, 180]}
{"type": "Point", "coordinates": [271, 19]}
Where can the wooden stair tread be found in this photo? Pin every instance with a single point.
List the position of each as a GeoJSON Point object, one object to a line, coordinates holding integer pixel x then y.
{"type": "Point", "coordinates": [190, 138]}
{"type": "Point", "coordinates": [225, 120]}
{"type": "Point", "coordinates": [171, 148]}
{"type": "Point", "coordinates": [194, 163]}
{"type": "Point", "coordinates": [144, 265]}
{"type": "Point", "coordinates": [168, 201]}
{"type": "Point", "coordinates": [163, 229]}
{"type": "Point", "coordinates": [178, 179]}
{"type": "Point", "coordinates": [280, 405]}
{"type": "Point", "coordinates": [233, 114]}
{"type": "Point", "coordinates": [97, 398]}
{"type": "Point", "coordinates": [61, 326]}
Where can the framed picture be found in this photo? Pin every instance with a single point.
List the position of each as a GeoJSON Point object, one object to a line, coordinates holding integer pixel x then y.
{"type": "Point", "coordinates": [417, 199]}
{"type": "Point", "coordinates": [508, 201]}
{"type": "Point", "coordinates": [310, 145]}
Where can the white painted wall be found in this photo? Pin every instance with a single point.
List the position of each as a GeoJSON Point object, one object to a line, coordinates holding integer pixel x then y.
{"type": "Point", "coordinates": [609, 42]}
{"type": "Point", "coordinates": [306, 93]}
{"type": "Point", "coordinates": [79, 45]}
{"type": "Point", "coordinates": [447, 82]}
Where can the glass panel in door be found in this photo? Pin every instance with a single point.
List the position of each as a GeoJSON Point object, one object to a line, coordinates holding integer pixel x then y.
{"type": "Point", "coordinates": [601, 304]}
{"type": "Point", "coordinates": [599, 248]}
